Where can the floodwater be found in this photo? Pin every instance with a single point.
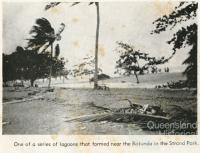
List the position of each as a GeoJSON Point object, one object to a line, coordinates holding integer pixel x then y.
{"type": "Point", "coordinates": [49, 117]}
{"type": "Point", "coordinates": [49, 114]}
{"type": "Point", "coordinates": [146, 81]}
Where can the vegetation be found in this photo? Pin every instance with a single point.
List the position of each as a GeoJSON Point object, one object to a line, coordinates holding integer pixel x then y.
{"type": "Point", "coordinates": [86, 67]}
{"type": "Point", "coordinates": [186, 36]}
{"type": "Point", "coordinates": [43, 36]}
{"type": "Point", "coordinates": [53, 4]}
{"type": "Point", "coordinates": [134, 61]}
{"type": "Point", "coordinates": [29, 65]}
{"type": "Point", "coordinates": [173, 85]}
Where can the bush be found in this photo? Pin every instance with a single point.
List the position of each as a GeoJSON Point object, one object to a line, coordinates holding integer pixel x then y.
{"type": "Point", "coordinates": [174, 85]}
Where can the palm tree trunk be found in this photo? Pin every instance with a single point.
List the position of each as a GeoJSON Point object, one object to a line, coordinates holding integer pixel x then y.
{"type": "Point", "coordinates": [96, 48]}
{"type": "Point", "coordinates": [50, 70]}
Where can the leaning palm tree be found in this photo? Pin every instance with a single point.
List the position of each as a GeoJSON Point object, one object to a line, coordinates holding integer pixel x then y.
{"type": "Point", "coordinates": [43, 36]}
{"type": "Point", "coordinates": [53, 4]}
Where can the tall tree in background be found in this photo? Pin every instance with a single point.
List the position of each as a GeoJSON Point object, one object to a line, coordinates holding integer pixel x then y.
{"type": "Point", "coordinates": [43, 36]}
{"type": "Point", "coordinates": [53, 4]}
{"type": "Point", "coordinates": [183, 17]}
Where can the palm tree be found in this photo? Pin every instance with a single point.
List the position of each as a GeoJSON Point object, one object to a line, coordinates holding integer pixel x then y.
{"type": "Point", "coordinates": [43, 36]}
{"type": "Point", "coordinates": [53, 4]}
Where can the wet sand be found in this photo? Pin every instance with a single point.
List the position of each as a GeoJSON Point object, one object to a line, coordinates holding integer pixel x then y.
{"type": "Point", "coordinates": [48, 111]}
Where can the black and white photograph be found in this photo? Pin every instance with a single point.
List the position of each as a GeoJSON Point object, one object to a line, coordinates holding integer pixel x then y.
{"type": "Point", "coordinates": [99, 68]}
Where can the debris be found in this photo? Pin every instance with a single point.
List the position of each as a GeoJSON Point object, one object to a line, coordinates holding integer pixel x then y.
{"type": "Point", "coordinates": [83, 128]}
{"type": "Point", "coordinates": [138, 114]}
{"type": "Point", "coordinates": [103, 87]}
{"type": "Point", "coordinates": [103, 122]}
{"type": "Point", "coordinates": [49, 90]}
{"type": "Point", "coordinates": [91, 117]}
{"type": "Point", "coordinates": [24, 100]}
{"type": "Point", "coordinates": [5, 123]}
{"type": "Point", "coordinates": [145, 109]}
{"type": "Point", "coordinates": [33, 93]}
{"type": "Point", "coordinates": [99, 107]}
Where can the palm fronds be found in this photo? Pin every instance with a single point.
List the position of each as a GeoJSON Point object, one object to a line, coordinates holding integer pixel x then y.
{"type": "Point", "coordinates": [75, 3]}
{"type": "Point", "coordinates": [50, 5]}
{"type": "Point", "coordinates": [41, 33]}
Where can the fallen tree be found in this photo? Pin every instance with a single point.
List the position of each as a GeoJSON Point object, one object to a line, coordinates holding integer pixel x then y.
{"type": "Point", "coordinates": [142, 115]}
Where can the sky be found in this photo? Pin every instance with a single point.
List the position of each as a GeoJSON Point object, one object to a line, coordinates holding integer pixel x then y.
{"type": "Point", "coordinates": [130, 22]}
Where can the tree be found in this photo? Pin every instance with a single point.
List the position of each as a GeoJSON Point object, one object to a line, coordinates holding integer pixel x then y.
{"type": "Point", "coordinates": [53, 4]}
{"type": "Point", "coordinates": [29, 65]}
{"type": "Point", "coordinates": [43, 36]}
{"type": "Point", "coordinates": [10, 62]}
{"type": "Point", "coordinates": [134, 61]}
{"type": "Point", "coordinates": [57, 66]}
{"type": "Point", "coordinates": [186, 36]}
{"type": "Point", "coordinates": [8, 69]}
{"type": "Point", "coordinates": [86, 67]}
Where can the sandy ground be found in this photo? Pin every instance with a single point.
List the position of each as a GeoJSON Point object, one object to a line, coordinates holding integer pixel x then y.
{"type": "Point", "coordinates": [146, 81]}
{"type": "Point", "coordinates": [47, 112]}
{"type": "Point", "coordinates": [36, 111]}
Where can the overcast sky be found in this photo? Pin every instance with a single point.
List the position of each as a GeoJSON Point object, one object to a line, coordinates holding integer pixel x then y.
{"type": "Point", "coordinates": [129, 22]}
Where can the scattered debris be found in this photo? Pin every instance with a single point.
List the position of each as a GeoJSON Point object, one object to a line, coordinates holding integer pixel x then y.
{"type": "Point", "coordinates": [25, 100]}
{"type": "Point", "coordinates": [103, 87]}
{"type": "Point", "coordinates": [99, 107]}
{"type": "Point", "coordinates": [174, 85]}
{"type": "Point", "coordinates": [5, 123]}
{"type": "Point", "coordinates": [33, 93]}
{"type": "Point", "coordinates": [129, 114]}
{"type": "Point", "coordinates": [49, 90]}
{"type": "Point", "coordinates": [140, 115]}
{"type": "Point", "coordinates": [90, 117]}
